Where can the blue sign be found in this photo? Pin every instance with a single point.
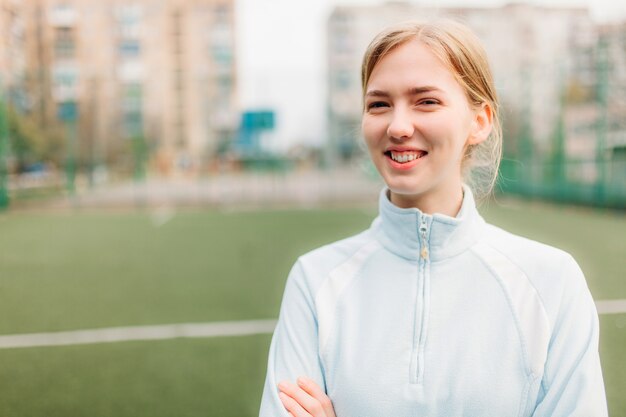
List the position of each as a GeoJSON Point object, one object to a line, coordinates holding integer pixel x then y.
{"type": "Point", "coordinates": [253, 123]}
{"type": "Point", "coordinates": [67, 111]}
{"type": "Point", "coordinates": [257, 120]}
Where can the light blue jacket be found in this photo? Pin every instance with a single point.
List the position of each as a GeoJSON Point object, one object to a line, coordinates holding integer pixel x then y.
{"type": "Point", "coordinates": [429, 315]}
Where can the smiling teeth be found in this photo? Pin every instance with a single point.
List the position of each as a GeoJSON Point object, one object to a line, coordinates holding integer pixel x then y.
{"type": "Point", "coordinates": [404, 157]}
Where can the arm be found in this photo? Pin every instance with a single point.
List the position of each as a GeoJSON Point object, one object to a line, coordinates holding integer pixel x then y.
{"type": "Point", "coordinates": [294, 348]}
{"type": "Point", "coordinates": [572, 384]}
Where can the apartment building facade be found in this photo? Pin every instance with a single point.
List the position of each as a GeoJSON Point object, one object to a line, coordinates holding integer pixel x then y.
{"type": "Point", "coordinates": [159, 71]}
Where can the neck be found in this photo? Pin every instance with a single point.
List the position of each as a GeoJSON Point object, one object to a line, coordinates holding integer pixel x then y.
{"type": "Point", "coordinates": [430, 203]}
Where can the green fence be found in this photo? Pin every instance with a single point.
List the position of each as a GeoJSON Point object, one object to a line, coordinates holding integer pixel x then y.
{"type": "Point", "coordinates": [590, 182]}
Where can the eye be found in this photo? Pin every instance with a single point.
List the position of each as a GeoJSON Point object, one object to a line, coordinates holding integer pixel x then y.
{"type": "Point", "coordinates": [429, 102]}
{"type": "Point", "coordinates": [377, 105]}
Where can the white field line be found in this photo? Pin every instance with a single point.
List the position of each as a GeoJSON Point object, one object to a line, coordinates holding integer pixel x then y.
{"type": "Point", "coordinates": [162, 215]}
{"type": "Point", "coordinates": [123, 334]}
{"type": "Point", "coordinates": [185, 330]}
{"type": "Point", "coordinates": [611, 306]}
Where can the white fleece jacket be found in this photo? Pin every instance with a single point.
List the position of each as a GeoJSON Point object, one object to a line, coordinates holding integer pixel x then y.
{"type": "Point", "coordinates": [429, 315]}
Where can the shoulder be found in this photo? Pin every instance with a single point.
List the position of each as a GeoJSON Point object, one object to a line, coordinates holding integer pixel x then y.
{"type": "Point", "coordinates": [549, 271]}
{"type": "Point", "coordinates": [317, 265]}
{"type": "Point", "coordinates": [532, 256]}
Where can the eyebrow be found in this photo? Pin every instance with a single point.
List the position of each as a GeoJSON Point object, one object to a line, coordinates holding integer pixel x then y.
{"type": "Point", "coordinates": [411, 91]}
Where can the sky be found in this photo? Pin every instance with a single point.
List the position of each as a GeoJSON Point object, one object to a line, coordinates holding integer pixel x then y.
{"type": "Point", "coordinates": [281, 58]}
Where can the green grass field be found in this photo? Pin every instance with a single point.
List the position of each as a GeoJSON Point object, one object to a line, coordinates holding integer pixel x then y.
{"type": "Point", "coordinates": [92, 270]}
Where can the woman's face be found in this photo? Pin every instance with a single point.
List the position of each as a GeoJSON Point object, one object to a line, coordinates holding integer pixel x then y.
{"type": "Point", "coordinates": [417, 122]}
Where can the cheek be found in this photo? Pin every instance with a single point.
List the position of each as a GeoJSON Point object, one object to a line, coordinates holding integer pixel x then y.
{"type": "Point", "coordinates": [446, 132]}
{"type": "Point", "coordinates": [373, 130]}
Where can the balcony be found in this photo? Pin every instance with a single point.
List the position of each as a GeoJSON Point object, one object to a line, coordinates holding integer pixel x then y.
{"type": "Point", "coordinates": [63, 15]}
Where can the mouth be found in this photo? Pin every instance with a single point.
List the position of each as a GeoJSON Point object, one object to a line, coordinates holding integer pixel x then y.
{"type": "Point", "coordinates": [404, 157]}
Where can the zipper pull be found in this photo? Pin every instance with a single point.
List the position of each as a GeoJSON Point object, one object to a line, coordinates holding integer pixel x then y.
{"type": "Point", "coordinates": [423, 230]}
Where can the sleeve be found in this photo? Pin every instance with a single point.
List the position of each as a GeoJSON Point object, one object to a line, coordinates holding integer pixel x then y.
{"type": "Point", "coordinates": [294, 348]}
{"type": "Point", "coordinates": [572, 382]}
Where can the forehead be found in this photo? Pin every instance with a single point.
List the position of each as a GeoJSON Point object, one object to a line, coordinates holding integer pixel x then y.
{"type": "Point", "coordinates": [412, 64]}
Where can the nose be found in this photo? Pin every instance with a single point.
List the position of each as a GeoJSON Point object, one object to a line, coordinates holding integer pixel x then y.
{"type": "Point", "coordinates": [400, 126]}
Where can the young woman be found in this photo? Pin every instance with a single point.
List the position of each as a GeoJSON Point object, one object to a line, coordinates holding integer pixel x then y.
{"type": "Point", "coordinates": [432, 311]}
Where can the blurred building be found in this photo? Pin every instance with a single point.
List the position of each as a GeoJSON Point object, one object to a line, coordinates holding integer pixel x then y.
{"type": "Point", "coordinates": [594, 110]}
{"type": "Point", "coordinates": [612, 81]}
{"type": "Point", "coordinates": [531, 50]}
{"type": "Point", "coordinates": [158, 76]}
{"type": "Point", "coordinates": [12, 57]}
{"type": "Point", "coordinates": [611, 98]}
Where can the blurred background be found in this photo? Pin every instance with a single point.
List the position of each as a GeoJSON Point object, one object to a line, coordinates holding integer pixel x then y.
{"type": "Point", "coordinates": [164, 162]}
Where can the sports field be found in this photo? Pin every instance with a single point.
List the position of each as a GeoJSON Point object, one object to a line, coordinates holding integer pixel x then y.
{"type": "Point", "coordinates": [95, 270]}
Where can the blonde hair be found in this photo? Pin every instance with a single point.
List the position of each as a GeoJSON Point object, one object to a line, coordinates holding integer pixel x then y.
{"type": "Point", "coordinates": [462, 52]}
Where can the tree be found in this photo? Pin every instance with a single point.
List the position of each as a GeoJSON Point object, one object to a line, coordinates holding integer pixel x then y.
{"type": "Point", "coordinates": [29, 143]}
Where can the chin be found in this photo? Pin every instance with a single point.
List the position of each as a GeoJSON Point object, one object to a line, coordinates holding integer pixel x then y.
{"type": "Point", "coordinates": [404, 186]}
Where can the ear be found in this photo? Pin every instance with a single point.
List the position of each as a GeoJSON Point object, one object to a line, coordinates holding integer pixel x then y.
{"type": "Point", "coordinates": [481, 124]}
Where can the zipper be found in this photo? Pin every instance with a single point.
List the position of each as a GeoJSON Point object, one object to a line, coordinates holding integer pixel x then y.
{"type": "Point", "coordinates": [422, 304]}
{"type": "Point", "coordinates": [423, 231]}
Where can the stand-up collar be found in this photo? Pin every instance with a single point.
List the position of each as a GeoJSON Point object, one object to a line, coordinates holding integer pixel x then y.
{"type": "Point", "coordinates": [398, 228]}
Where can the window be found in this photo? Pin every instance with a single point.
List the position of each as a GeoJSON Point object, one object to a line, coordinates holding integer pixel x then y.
{"type": "Point", "coordinates": [132, 114]}
{"type": "Point", "coordinates": [129, 21]}
{"type": "Point", "coordinates": [222, 13]}
{"type": "Point", "coordinates": [222, 54]}
{"type": "Point", "coordinates": [65, 82]}
{"type": "Point", "coordinates": [63, 15]}
{"type": "Point", "coordinates": [132, 98]}
{"type": "Point", "coordinates": [64, 44]}
{"type": "Point", "coordinates": [129, 48]}
{"type": "Point", "coordinates": [133, 124]}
